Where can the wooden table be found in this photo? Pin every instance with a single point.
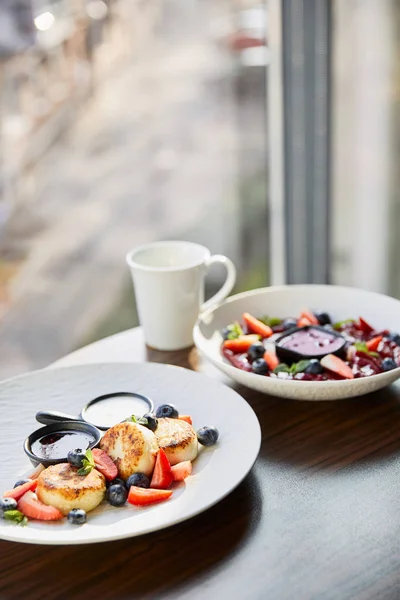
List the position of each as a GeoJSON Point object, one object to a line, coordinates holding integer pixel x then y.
{"type": "Point", "coordinates": [318, 518]}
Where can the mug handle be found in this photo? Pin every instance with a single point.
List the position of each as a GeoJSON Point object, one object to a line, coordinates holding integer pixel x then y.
{"type": "Point", "coordinates": [229, 282]}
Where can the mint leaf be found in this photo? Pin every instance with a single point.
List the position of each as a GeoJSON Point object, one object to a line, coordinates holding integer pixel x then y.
{"type": "Point", "coordinates": [83, 471]}
{"type": "Point", "coordinates": [270, 321]}
{"type": "Point", "coordinates": [139, 420]}
{"type": "Point", "coordinates": [235, 331]}
{"type": "Point", "coordinates": [89, 457]}
{"type": "Point", "coordinates": [87, 463]}
{"type": "Point", "coordinates": [274, 321]}
{"type": "Point", "coordinates": [362, 347]}
{"type": "Point", "coordinates": [340, 324]}
{"type": "Point", "coordinates": [282, 368]}
{"type": "Point", "coordinates": [299, 367]}
{"type": "Point", "coordinates": [16, 516]}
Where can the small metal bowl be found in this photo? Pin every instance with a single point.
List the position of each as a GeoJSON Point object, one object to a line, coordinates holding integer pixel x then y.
{"type": "Point", "coordinates": [54, 428]}
{"type": "Point", "coordinates": [288, 355]}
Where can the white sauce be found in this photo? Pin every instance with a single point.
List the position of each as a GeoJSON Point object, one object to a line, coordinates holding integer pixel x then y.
{"type": "Point", "coordinates": [110, 411]}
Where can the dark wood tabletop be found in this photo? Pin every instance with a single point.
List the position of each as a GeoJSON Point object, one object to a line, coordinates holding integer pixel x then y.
{"type": "Point", "coordinates": [317, 518]}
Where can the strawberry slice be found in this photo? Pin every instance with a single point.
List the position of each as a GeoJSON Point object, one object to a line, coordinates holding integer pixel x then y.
{"type": "Point", "coordinates": [36, 472]}
{"type": "Point", "coordinates": [104, 464]}
{"type": "Point", "coordinates": [144, 496]}
{"type": "Point", "coordinates": [307, 314]}
{"type": "Point", "coordinates": [373, 344]}
{"type": "Point", "coordinates": [186, 418]}
{"type": "Point", "coordinates": [257, 326]}
{"type": "Point", "coordinates": [271, 359]}
{"type": "Point", "coordinates": [337, 365]}
{"type": "Point", "coordinates": [364, 326]}
{"type": "Point", "coordinates": [162, 474]}
{"type": "Point", "coordinates": [241, 344]}
{"type": "Point", "coordinates": [20, 490]}
{"type": "Point", "coordinates": [303, 322]}
{"type": "Point", "coordinates": [31, 507]}
{"type": "Point", "coordinates": [181, 470]}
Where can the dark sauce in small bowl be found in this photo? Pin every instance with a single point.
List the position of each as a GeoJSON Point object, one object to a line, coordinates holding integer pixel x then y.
{"type": "Point", "coordinates": [58, 444]}
{"type": "Point", "coordinates": [50, 444]}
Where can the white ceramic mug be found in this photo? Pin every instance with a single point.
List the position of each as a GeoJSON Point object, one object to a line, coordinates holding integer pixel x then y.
{"type": "Point", "coordinates": [168, 278]}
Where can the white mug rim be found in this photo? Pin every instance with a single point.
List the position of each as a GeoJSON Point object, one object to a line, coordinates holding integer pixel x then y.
{"type": "Point", "coordinates": [135, 265]}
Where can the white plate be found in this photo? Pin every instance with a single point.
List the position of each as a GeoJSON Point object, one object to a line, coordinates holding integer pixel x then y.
{"type": "Point", "coordinates": [340, 302]}
{"type": "Point", "coordinates": [216, 471]}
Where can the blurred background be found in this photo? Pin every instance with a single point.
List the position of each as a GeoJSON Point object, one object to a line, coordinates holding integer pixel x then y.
{"type": "Point", "coordinates": [266, 130]}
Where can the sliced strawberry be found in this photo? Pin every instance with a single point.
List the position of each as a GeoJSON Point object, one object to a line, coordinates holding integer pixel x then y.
{"type": "Point", "coordinates": [104, 464]}
{"type": "Point", "coordinates": [364, 326]}
{"type": "Point", "coordinates": [241, 344]}
{"type": "Point", "coordinates": [162, 474]}
{"type": "Point", "coordinates": [271, 359]}
{"type": "Point", "coordinates": [186, 418]}
{"type": "Point", "coordinates": [20, 490]}
{"type": "Point", "coordinates": [373, 344]}
{"type": "Point", "coordinates": [307, 314]}
{"type": "Point", "coordinates": [31, 507]}
{"type": "Point", "coordinates": [257, 326]}
{"type": "Point", "coordinates": [337, 365]}
{"type": "Point", "coordinates": [181, 470]}
{"type": "Point", "coordinates": [36, 472]}
{"type": "Point", "coordinates": [303, 322]}
{"type": "Point", "coordinates": [144, 496]}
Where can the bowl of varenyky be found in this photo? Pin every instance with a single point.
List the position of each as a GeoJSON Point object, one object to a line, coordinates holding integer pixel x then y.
{"type": "Point", "coordinates": [306, 342]}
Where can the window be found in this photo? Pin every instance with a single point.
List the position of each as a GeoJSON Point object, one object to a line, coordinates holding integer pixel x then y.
{"type": "Point", "coordinates": [125, 121]}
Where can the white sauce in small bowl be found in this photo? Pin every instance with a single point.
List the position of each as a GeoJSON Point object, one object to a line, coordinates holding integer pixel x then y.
{"type": "Point", "coordinates": [110, 411]}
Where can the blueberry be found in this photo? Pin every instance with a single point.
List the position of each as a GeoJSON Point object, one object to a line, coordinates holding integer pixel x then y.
{"type": "Point", "coordinates": [167, 410]}
{"type": "Point", "coordinates": [207, 436]}
{"type": "Point", "coordinates": [116, 495]}
{"type": "Point", "coordinates": [394, 337]}
{"type": "Point", "coordinates": [255, 351]}
{"type": "Point", "coordinates": [21, 482]}
{"type": "Point", "coordinates": [7, 504]}
{"type": "Point", "coordinates": [323, 318]}
{"type": "Point", "coordinates": [75, 457]}
{"type": "Point", "coordinates": [152, 422]}
{"type": "Point", "coordinates": [289, 323]}
{"type": "Point", "coordinates": [259, 366]}
{"type": "Point", "coordinates": [388, 364]}
{"type": "Point", "coordinates": [77, 516]}
{"type": "Point", "coordinates": [314, 368]}
{"type": "Point", "coordinates": [116, 481]}
{"type": "Point", "coordinates": [139, 480]}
